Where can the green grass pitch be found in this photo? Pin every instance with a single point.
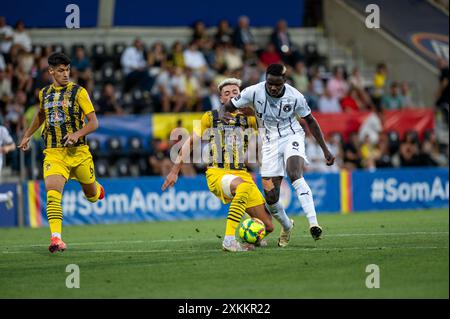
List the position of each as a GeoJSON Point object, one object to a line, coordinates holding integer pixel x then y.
{"type": "Point", "coordinates": [183, 259]}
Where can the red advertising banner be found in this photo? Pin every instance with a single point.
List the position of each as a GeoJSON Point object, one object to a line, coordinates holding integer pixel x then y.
{"type": "Point", "coordinates": [401, 121]}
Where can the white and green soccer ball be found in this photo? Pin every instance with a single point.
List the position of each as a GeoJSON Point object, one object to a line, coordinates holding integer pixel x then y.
{"type": "Point", "coordinates": [252, 230]}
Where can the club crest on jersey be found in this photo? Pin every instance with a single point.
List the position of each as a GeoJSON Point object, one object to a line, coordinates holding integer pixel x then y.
{"type": "Point", "coordinates": [56, 117]}
{"type": "Point", "coordinates": [287, 108]}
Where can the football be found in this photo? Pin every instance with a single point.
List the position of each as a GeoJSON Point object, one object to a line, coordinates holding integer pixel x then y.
{"type": "Point", "coordinates": [252, 230]}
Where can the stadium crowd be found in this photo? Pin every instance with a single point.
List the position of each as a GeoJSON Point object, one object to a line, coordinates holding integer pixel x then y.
{"type": "Point", "coordinates": [149, 78]}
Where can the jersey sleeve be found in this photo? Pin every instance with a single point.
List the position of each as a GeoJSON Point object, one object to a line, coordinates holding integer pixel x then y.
{"type": "Point", "coordinates": [302, 108]}
{"type": "Point", "coordinates": [85, 102]}
{"type": "Point", "coordinates": [244, 99]}
{"type": "Point", "coordinates": [205, 124]}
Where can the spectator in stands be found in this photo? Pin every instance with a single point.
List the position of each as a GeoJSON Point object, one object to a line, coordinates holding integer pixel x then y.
{"type": "Point", "coordinates": [281, 39]}
{"type": "Point", "coordinates": [351, 102]}
{"type": "Point", "coordinates": [442, 101]}
{"type": "Point", "coordinates": [194, 58]}
{"type": "Point", "coordinates": [233, 58]}
{"type": "Point", "coordinates": [355, 79]}
{"type": "Point", "coordinates": [379, 82]}
{"type": "Point", "coordinates": [6, 38]}
{"type": "Point", "coordinates": [14, 114]}
{"type": "Point", "coordinates": [108, 103]}
{"type": "Point", "coordinates": [22, 80]}
{"type": "Point", "coordinates": [200, 34]}
{"type": "Point", "coordinates": [372, 127]}
{"type": "Point", "coordinates": [409, 151]}
{"type": "Point", "coordinates": [406, 95]}
{"type": "Point", "coordinates": [383, 156]}
{"type": "Point", "coordinates": [224, 34]}
{"type": "Point", "coordinates": [5, 87]}
{"type": "Point", "coordinates": [317, 84]}
{"type": "Point", "coordinates": [300, 77]}
{"type": "Point", "coordinates": [21, 39]}
{"type": "Point", "coordinates": [329, 104]}
{"type": "Point", "coordinates": [336, 85]}
{"type": "Point", "coordinates": [430, 146]}
{"type": "Point", "coordinates": [134, 67]}
{"type": "Point", "coordinates": [156, 56]}
{"type": "Point", "coordinates": [242, 36]}
{"type": "Point", "coordinates": [176, 56]}
{"type": "Point", "coordinates": [269, 55]}
{"type": "Point", "coordinates": [167, 88]}
{"type": "Point", "coordinates": [211, 101]}
{"type": "Point", "coordinates": [352, 156]}
{"type": "Point", "coordinates": [80, 69]}
{"type": "Point", "coordinates": [190, 88]}
{"type": "Point", "coordinates": [393, 100]}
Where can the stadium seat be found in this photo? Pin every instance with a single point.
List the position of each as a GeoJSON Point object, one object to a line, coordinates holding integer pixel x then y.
{"type": "Point", "coordinates": [123, 166]}
{"type": "Point", "coordinates": [394, 141]}
{"type": "Point", "coordinates": [99, 55]}
{"type": "Point", "coordinates": [102, 168]}
{"type": "Point", "coordinates": [94, 146]}
{"type": "Point", "coordinates": [117, 50]}
{"type": "Point", "coordinates": [108, 73]}
{"type": "Point", "coordinates": [115, 149]}
{"type": "Point", "coordinates": [135, 145]}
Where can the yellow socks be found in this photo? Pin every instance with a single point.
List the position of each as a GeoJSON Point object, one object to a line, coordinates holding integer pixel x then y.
{"type": "Point", "coordinates": [54, 212]}
{"type": "Point", "coordinates": [237, 208]}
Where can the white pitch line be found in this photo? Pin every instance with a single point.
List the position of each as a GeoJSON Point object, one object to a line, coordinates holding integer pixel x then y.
{"type": "Point", "coordinates": [215, 239]}
{"type": "Point", "coordinates": [219, 250]}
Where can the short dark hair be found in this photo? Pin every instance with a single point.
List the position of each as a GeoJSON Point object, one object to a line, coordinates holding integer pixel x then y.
{"type": "Point", "coordinates": [58, 58]}
{"type": "Point", "coordinates": [276, 70]}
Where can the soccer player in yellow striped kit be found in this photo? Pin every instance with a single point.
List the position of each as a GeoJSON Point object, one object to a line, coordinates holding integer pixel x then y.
{"type": "Point", "coordinates": [63, 108]}
{"type": "Point", "coordinates": [227, 175]}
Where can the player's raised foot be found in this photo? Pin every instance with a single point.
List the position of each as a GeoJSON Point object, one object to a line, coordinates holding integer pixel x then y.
{"type": "Point", "coordinates": [285, 236]}
{"type": "Point", "coordinates": [234, 246]}
{"type": "Point", "coordinates": [262, 243]}
{"type": "Point", "coordinates": [316, 232]}
{"type": "Point", "coordinates": [102, 193]}
{"type": "Point", "coordinates": [56, 244]}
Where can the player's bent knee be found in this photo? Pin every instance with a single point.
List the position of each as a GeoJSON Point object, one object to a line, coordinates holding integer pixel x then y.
{"type": "Point", "coordinates": [229, 184]}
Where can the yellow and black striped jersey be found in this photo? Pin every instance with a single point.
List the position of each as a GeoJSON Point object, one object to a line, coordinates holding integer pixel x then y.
{"type": "Point", "coordinates": [65, 108]}
{"type": "Point", "coordinates": [228, 143]}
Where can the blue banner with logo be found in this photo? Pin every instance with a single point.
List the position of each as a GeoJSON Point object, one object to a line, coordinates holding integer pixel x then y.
{"type": "Point", "coordinates": [8, 205]}
{"type": "Point", "coordinates": [135, 200]}
{"type": "Point", "coordinates": [400, 189]}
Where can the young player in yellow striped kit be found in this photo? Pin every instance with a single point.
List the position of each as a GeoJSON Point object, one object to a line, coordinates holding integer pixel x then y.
{"type": "Point", "coordinates": [63, 108]}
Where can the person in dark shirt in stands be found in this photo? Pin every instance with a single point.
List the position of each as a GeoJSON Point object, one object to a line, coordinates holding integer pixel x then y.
{"type": "Point", "coordinates": [442, 102]}
{"type": "Point", "coordinates": [108, 104]}
{"type": "Point", "coordinates": [352, 157]}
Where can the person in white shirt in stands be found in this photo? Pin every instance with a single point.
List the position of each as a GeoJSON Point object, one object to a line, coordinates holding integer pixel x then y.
{"type": "Point", "coordinates": [21, 38]}
{"type": "Point", "coordinates": [6, 36]}
{"type": "Point", "coordinates": [6, 146]}
{"type": "Point", "coordinates": [134, 67]}
{"type": "Point", "coordinates": [194, 58]}
{"type": "Point", "coordinates": [329, 104]}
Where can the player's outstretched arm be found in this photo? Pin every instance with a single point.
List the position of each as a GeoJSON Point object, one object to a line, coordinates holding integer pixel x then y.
{"type": "Point", "coordinates": [317, 133]}
{"type": "Point", "coordinates": [185, 150]}
{"type": "Point", "coordinates": [38, 119]}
